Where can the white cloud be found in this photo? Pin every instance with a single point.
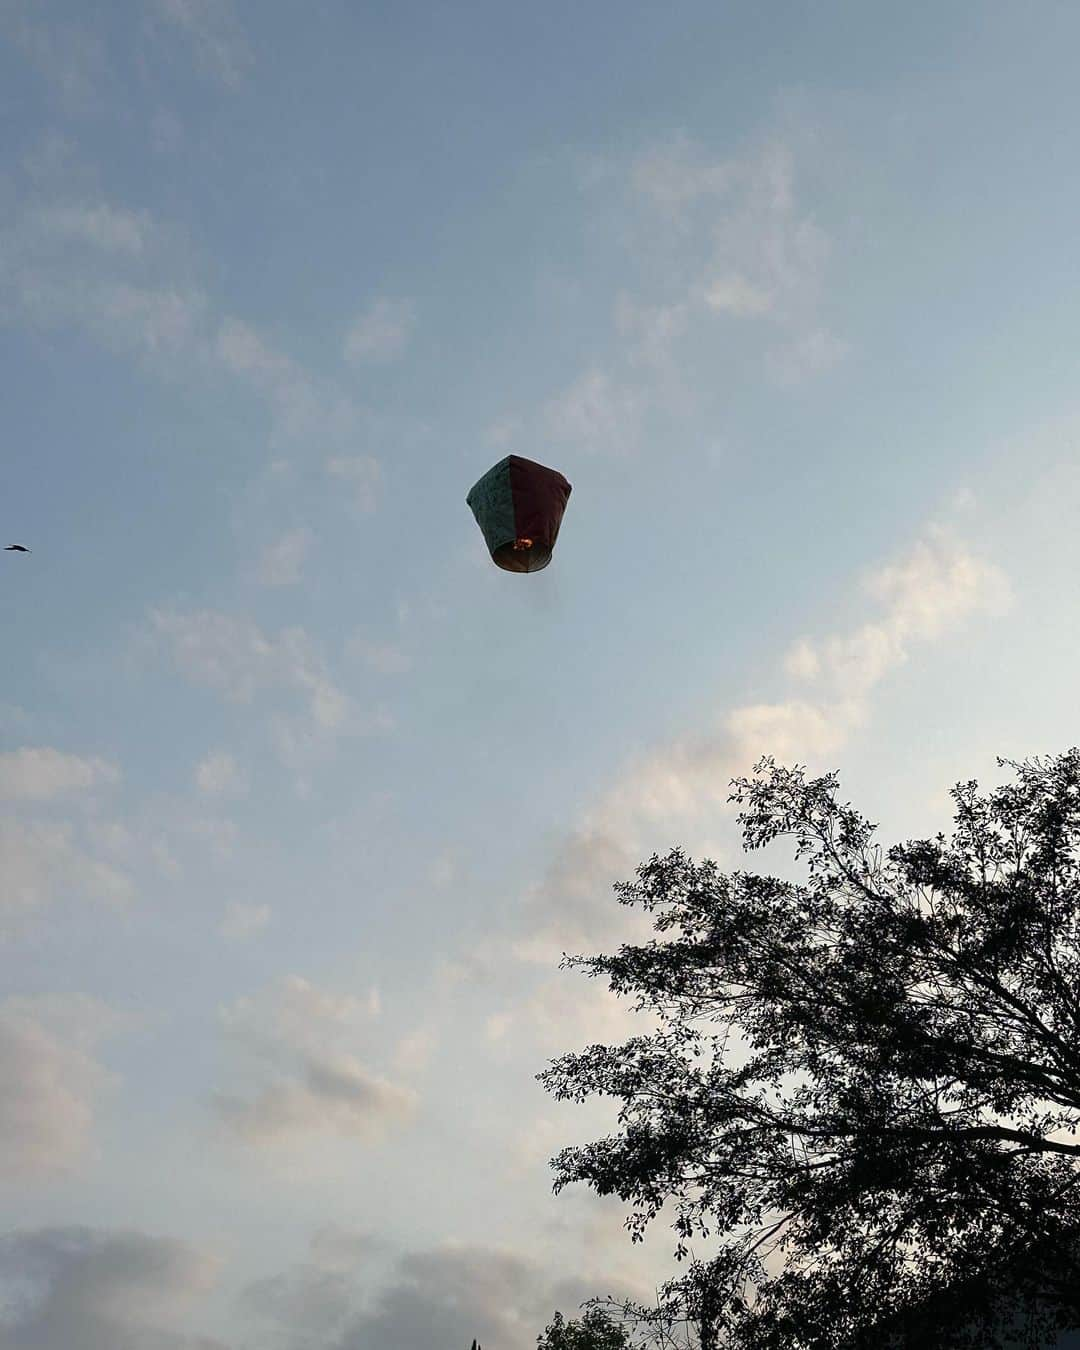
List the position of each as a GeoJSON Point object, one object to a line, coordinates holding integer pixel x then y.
{"type": "Point", "coordinates": [111, 837]}
{"type": "Point", "coordinates": [414, 1051]}
{"type": "Point", "coordinates": [219, 775]}
{"type": "Point", "coordinates": [802, 661]}
{"type": "Point", "coordinates": [52, 1081]}
{"type": "Point", "coordinates": [306, 408]}
{"type": "Point", "coordinates": [733, 294]}
{"type": "Point", "coordinates": [387, 658]}
{"type": "Point", "coordinates": [598, 413]}
{"type": "Point", "coordinates": [213, 835]}
{"type": "Point", "coordinates": [40, 773]}
{"type": "Point", "coordinates": [243, 921]}
{"type": "Point", "coordinates": [102, 1290]}
{"type": "Point", "coordinates": [85, 263]}
{"type": "Point", "coordinates": [811, 353]}
{"type": "Point", "coordinates": [14, 721]}
{"type": "Point", "coordinates": [231, 655]}
{"type": "Point", "coordinates": [244, 351]}
{"type": "Point", "coordinates": [732, 239]}
{"type": "Point", "coordinates": [234, 657]}
{"type": "Point", "coordinates": [122, 278]}
{"type": "Point", "coordinates": [166, 132]}
{"type": "Point", "coordinates": [768, 254]}
{"type": "Point", "coordinates": [47, 283]}
{"type": "Point", "coordinates": [156, 320]}
{"type": "Point", "coordinates": [651, 330]}
{"type": "Point", "coordinates": [306, 1074]}
{"type": "Point", "coordinates": [677, 176]}
{"type": "Point", "coordinates": [503, 432]}
{"type": "Point", "coordinates": [933, 590]}
{"type": "Point", "coordinates": [237, 659]}
{"type": "Point", "coordinates": [215, 35]}
{"type": "Point", "coordinates": [98, 224]}
{"type": "Point", "coordinates": [565, 1011]}
{"type": "Point", "coordinates": [362, 473]}
{"type": "Point", "coordinates": [314, 1093]}
{"type": "Point", "coordinates": [381, 332]}
{"type": "Point", "coordinates": [282, 562]}
{"type": "Point", "coordinates": [445, 868]}
{"type": "Point", "coordinates": [678, 792]}
{"type": "Point", "coordinates": [302, 1012]}
{"type": "Point", "coordinates": [69, 57]}
{"type": "Point", "coordinates": [705, 239]}
{"type": "Point", "coordinates": [789, 730]}
{"type": "Point", "coordinates": [536, 1143]}
{"type": "Point", "coordinates": [570, 907]}
{"type": "Point", "coordinates": [42, 861]}
{"type": "Point", "coordinates": [938, 586]}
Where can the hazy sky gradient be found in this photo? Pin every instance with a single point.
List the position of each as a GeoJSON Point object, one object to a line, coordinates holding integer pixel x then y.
{"type": "Point", "coordinates": [300, 798]}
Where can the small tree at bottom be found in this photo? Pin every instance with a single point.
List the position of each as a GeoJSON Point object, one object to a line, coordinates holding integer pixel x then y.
{"type": "Point", "coordinates": [595, 1331]}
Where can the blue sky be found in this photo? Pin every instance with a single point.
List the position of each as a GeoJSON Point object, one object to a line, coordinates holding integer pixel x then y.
{"type": "Point", "coordinates": [302, 797]}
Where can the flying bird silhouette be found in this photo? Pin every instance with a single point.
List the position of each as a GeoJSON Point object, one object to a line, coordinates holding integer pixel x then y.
{"type": "Point", "coordinates": [16, 548]}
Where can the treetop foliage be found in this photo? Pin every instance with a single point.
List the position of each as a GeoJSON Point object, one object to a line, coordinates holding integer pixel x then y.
{"type": "Point", "coordinates": [866, 1084]}
{"type": "Point", "coordinates": [594, 1331]}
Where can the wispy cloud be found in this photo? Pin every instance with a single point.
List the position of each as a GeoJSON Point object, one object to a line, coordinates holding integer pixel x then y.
{"type": "Point", "coordinates": [558, 1012]}
{"type": "Point", "coordinates": [146, 318]}
{"type": "Point", "coordinates": [213, 31]}
{"type": "Point", "coordinates": [704, 241]}
{"type": "Point", "coordinates": [597, 412]}
{"type": "Point", "coordinates": [229, 654]}
{"type": "Point", "coordinates": [502, 433]}
{"type": "Point", "coordinates": [245, 351]}
{"type": "Point", "coordinates": [733, 294]}
{"type": "Point", "coordinates": [387, 658]}
{"type": "Point", "coordinates": [96, 223]}
{"type": "Point", "coordinates": [219, 775]}
{"type": "Point", "coordinates": [306, 407]}
{"type": "Point", "coordinates": [925, 595]}
{"type": "Point", "coordinates": [103, 269]}
{"type": "Point", "coordinates": [42, 861]}
{"type": "Point", "coordinates": [650, 330]}
{"type": "Point", "coordinates": [71, 58]}
{"type": "Point", "coordinates": [381, 333]}
{"type": "Point", "coordinates": [315, 1092]}
{"type": "Point", "coordinates": [282, 563]}
{"type": "Point", "coordinates": [234, 657]}
{"type": "Point", "coordinates": [303, 1044]}
{"type": "Point", "coordinates": [52, 1081]}
{"type": "Point", "coordinates": [362, 474]}
{"type": "Point", "coordinates": [809, 354]}
{"type": "Point", "coordinates": [933, 590]}
{"type": "Point", "coordinates": [41, 773]}
{"type": "Point", "coordinates": [124, 279]}
{"type": "Point", "coordinates": [748, 247]}
{"type": "Point", "coordinates": [415, 1050]}
{"type": "Point", "coordinates": [242, 921]}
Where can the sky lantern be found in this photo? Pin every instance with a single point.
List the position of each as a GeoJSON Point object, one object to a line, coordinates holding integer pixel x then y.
{"type": "Point", "coordinates": [519, 507]}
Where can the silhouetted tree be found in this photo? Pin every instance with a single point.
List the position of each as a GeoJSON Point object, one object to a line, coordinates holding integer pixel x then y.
{"type": "Point", "coordinates": [865, 1083]}
{"type": "Point", "coordinates": [595, 1331]}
